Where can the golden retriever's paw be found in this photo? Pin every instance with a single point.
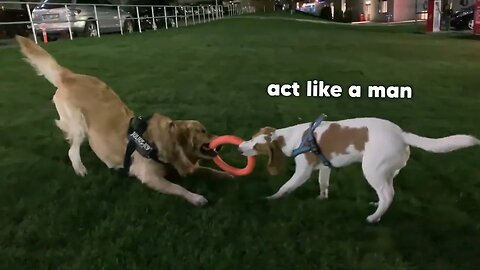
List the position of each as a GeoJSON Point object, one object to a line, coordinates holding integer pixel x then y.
{"type": "Point", "coordinates": [198, 200]}
{"type": "Point", "coordinates": [183, 172]}
{"type": "Point", "coordinates": [192, 169]}
{"type": "Point", "coordinates": [187, 170]}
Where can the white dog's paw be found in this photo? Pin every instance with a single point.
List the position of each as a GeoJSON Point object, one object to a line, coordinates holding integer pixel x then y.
{"type": "Point", "coordinates": [322, 196]}
{"type": "Point", "coordinates": [373, 219]}
{"type": "Point", "coordinates": [80, 170]}
{"type": "Point", "coordinates": [198, 200]}
{"type": "Point", "coordinates": [274, 196]}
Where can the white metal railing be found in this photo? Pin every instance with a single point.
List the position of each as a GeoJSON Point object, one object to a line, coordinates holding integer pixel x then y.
{"type": "Point", "coordinates": [55, 19]}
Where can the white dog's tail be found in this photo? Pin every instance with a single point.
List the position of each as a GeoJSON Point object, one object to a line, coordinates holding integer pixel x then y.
{"type": "Point", "coordinates": [41, 60]}
{"type": "Point", "coordinates": [441, 145]}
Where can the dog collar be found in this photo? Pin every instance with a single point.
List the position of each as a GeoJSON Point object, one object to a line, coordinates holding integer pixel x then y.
{"type": "Point", "coordinates": [136, 128]}
{"type": "Point", "coordinates": [309, 143]}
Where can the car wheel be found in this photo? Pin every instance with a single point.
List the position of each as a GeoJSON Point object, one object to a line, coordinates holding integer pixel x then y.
{"type": "Point", "coordinates": [470, 24]}
{"type": "Point", "coordinates": [128, 26]}
{"type": "Point", "coordinates": [90, 29]}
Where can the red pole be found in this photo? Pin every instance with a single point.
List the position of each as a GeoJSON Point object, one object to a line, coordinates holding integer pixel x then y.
{"type": "Point", "coordinates": [476, 18]}
{"type": "Point", "coordinates": [45, 38]}
{"type": "Point", "coordinates": [430, 10]}
{"type": "Point", "coordinates": [44, 33]}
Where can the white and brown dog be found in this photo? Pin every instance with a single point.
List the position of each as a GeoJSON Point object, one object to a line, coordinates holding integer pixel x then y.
{"type": "Point", "coordinates": [380, 145]}
{"type": "Point", "coordinates": [90, 110]}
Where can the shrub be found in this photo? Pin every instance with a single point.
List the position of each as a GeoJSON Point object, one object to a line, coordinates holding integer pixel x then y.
{"type": "Point", "coordinates": [347, 17]}
{"type": "Point", "coordinates": [338, 15]}
{"type": "Point", "coordinates": [326, 13]}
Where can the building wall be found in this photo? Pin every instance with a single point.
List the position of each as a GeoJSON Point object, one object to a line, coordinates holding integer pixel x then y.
{"type": "Point", "coordinates": [261, 5]}
{"type": "Point", "coordinates": [459, 4]}
{"type": "Point", "coordinates": [400, 10]}
{"type": "Point", "coordinates": [378, 10]}
{"type": "Point", "coordinates": [381, 10]}
{"type": "Point", "coordinates": [370, 10]}
{"type": "Point", "coordinates": [404, 10]}
{"type": "Point", "coordinates": [455, 4]}
{"type": "Point", "coordinates": [356, 7]}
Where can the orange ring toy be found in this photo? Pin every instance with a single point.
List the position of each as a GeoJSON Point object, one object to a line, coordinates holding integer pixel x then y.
{"type": "Point", "coordinates": [230, 139]}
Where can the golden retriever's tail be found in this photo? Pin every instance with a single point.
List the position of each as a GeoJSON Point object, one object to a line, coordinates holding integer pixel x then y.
{"type": "Point", "coordinates": [41, 60]}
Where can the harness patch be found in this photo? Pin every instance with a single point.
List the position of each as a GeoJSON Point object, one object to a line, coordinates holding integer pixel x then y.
{"type": "Point", "coordinates": [136, 142]}
{"type": "Point", "coordinates": [141, 145]}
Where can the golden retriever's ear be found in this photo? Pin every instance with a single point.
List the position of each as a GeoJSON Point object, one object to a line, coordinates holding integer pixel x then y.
{"type": "Point", "coordinates": [158, 133]}
{"type": "Point", "coordinates": [276, 158]}
{"type": "Point", "coordinates": [181, 132]}
{"type": "Point", "coordinates": [171, 125]}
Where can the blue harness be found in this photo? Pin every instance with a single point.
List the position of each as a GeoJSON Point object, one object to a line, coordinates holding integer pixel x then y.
{"type": "Point", "coordinates": [309, 143]}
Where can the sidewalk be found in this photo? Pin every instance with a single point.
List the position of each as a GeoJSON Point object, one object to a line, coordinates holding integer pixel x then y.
{"type": "Point", "coordinates": [327, 22]}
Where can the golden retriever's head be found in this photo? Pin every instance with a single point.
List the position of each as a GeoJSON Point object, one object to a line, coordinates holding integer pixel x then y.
{"type": "Point", "coordinates": [171, 137]}
{"type": "Point", "coordinates": [194, 139]}
{"type": "Point", "coordinates": [265, 142]}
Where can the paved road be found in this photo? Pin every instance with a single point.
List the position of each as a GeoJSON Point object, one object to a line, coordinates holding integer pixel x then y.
{"type": "Point", "coordinates": [7, 43]}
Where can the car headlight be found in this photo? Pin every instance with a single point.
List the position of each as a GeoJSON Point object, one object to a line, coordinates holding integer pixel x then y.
{"type": "Point", "coordinates": [74, 12]}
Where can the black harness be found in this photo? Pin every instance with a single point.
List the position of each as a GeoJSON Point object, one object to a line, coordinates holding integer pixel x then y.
{"type": "Point", "coordinates": [137, 127]}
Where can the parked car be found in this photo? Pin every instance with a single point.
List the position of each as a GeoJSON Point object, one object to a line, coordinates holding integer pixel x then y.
{"type": "Point", "coordinates": [56, 18]}
{"type": "Point", "coordinates": [13, 13]}
{"type": "Point", "coordinates": [463, 19]}
{"type": "Point", "coordinates": [145, 13]}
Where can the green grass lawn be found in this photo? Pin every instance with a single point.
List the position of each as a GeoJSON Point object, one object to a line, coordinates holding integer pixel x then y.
{"type": "Point", "coordinates": [218, 73]}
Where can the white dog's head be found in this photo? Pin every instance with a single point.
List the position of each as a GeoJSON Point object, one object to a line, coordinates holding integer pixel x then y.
{"type": "Point", "coordinates": [266, 142]}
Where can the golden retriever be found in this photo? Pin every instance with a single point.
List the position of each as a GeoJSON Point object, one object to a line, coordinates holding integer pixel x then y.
{"type": "Point", "coordinates": [90, 109]}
